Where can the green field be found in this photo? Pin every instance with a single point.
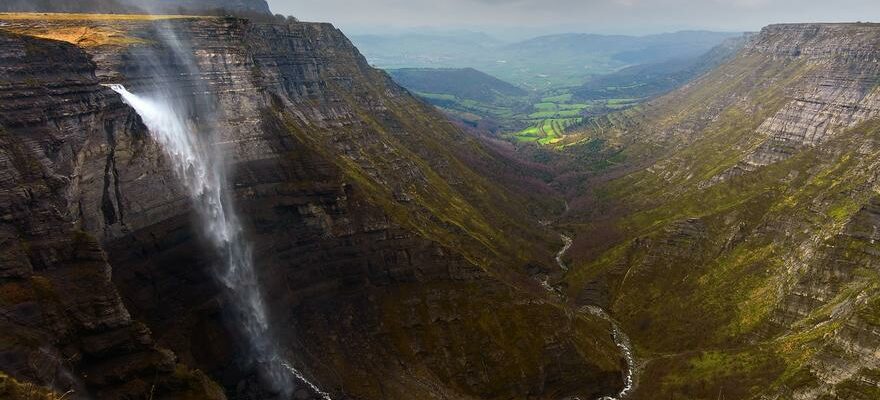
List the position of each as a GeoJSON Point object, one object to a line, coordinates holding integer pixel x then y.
{"type": "Point", "coordinates": [546, 132]}
{"type": "Point", "coordinates": [543, 120]}
{"type": "Point", "coordinates": [542, 117]}
{"type": "Point", "coordinates": [551, 116]}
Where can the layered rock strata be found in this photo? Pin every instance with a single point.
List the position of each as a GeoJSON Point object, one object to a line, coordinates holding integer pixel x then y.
{"type": "Point", "coordinates": [394, 269]}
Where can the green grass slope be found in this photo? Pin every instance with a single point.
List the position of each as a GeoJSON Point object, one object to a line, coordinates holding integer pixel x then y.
{"type": "Point", "coordinates": [464, 83]}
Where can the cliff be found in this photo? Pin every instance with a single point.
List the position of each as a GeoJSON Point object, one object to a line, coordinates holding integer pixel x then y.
{"type": "Point", "coordinates": [395, 270]}
{"type": "Point", "coordinates": [186, 7]}
{"type": "Point", "coordinates": [736, 243]}
{"type": "Point", "coordinates": [60, 310]}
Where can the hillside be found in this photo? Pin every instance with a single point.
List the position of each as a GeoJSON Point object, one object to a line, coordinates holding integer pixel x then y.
{"type": "Point", "coordinates": [463, 83]}
{"type": "Point", "coordinates": [650, 80]}
{"type": "Point", "coordinates": [468, 96]}
{"type": "Point", "coordinates": [423, 49]}
{"type": "Point", "coordinates": [731, 226]}
{"type": "Point", "coordinates": [625, 49]}
{"type": "Point", "coordinates": [561, 100]}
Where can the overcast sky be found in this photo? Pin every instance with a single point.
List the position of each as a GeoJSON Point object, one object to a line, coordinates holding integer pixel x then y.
{"type": "Point", "coordinates": [599, 16]}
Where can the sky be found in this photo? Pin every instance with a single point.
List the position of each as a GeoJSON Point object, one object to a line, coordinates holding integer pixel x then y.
{"type": "Point", "coordinates": [556, 16]}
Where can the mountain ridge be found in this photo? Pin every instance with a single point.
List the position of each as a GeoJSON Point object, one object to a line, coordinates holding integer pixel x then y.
{"type": "Point", "coordinates": [537, 63]}
{"type": "Point", "coordinates": [465, 83]}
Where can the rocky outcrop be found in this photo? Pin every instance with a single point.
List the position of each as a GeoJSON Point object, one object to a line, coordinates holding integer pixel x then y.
{"type": "Point", "coordinates": [851, 42]}
{"type": "Point", "coordinates": [393, 268]}
{"type": "Point", "coordinates": [838, 92]}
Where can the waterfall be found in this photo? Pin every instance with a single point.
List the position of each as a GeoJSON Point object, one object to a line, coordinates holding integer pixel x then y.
{"type": "Point", "coordinates": [202, 173]}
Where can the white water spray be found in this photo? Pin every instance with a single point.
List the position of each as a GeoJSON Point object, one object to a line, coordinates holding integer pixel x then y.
{"type": "Point", "coordinates": [203, 176]}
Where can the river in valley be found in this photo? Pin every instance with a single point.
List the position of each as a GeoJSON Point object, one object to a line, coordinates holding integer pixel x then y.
{"type": "Point", "coordinates": [620, 338]}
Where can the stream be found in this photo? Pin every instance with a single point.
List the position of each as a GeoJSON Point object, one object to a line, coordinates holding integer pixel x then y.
{"type": "Point", "coordinates": [620, 338]}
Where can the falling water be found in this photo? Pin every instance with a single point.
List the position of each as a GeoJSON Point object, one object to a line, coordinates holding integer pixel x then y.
{"type": "Point", "coordinates": [203, 176]}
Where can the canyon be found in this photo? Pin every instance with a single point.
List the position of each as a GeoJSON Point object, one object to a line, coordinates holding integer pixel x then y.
{"type": "Point", "coordinates": [718, 241]}
{"type": "Point", "coordinates": [394, 268]}
{"type": "Point", "coordinates": [735, 243]}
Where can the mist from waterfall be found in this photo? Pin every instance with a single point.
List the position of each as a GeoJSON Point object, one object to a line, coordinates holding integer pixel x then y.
{"type": "Point", "coordinates": [183, 130]}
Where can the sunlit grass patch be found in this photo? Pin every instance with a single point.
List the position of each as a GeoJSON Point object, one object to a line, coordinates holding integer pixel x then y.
{"type": "Point", "coordinates": [562, 98]}
{"type": "Point", "coordinates": [83, 30]}
{"type": "Point", "coordinates": [83, 36]}
{"type": "Point", "coordinates": [15, 390]}
{"type": "Point", "coordinates": [545, 132]}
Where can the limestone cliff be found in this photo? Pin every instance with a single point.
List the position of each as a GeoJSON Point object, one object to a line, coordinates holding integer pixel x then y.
{"type": "Point", "coordinates": [395, 270]}
{"type": "Point", "coordinates": [62, 321]}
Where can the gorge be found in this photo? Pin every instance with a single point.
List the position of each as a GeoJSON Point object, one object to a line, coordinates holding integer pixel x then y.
{"type": "Point", "coordinates": [240, 207]}
{"type": "Point", "coordinates": [396, 241]}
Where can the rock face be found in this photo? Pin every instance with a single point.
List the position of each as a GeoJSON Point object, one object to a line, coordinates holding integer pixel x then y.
{"type": "Point", "coordinates": [395, 271]}
{"type": "Point", "coordinates": [745, 259]}
{"type": "Point", "coordinates": [838, 92]}
{"type": "Point", "coordinates": [186, 7]}
{"type": "Point", "coordinates": [63, 322]}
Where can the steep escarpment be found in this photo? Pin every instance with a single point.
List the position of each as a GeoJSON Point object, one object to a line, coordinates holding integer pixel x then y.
{"type": "Point", "coordinates": [840, 93]}
{"type": "Point", "coordinates": [733, 233]}
{"type": "Point", "coordinates": [393, 268]}
{"type": "Point", "coordinates": [63, 322]}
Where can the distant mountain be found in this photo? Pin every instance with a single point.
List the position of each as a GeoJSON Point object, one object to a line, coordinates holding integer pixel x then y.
{"type": "Point", "coordinates": [538, 63]}
{"type": "Point", "coordinates": [464, 83]}
{"type": "Point", "coordinates": [649, 80]}
{"type": "Point", "coordinates": [627, 49]}
{"type": "Point", "coordinates": [238, 7]}
{"type": "Point", "coordinates": [425, 50]}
